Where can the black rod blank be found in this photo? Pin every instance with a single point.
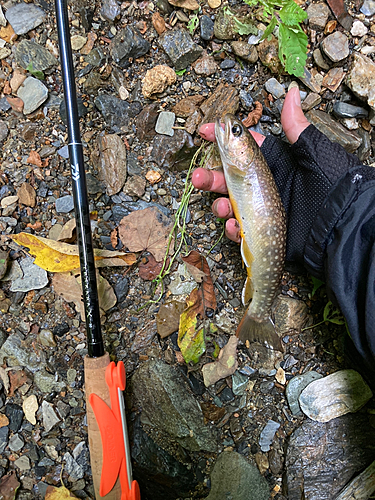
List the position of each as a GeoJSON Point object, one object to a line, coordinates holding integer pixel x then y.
{"type": "Point", "coordinates": [81, 203]}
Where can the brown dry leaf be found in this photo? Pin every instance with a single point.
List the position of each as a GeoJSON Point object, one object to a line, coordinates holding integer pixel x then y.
{"type": "Point", "coordinates": [59, 257]}
{"type": "Point", "coordinates": [114, 238]}
{"type": "Point", "coordinates": [4, 420]}
{"type": "Point", "coordinates": [35, 159]}
{"type": "Point", "coordinates": [168, 317]}
{"type": "Point", "coordinates": [225, 365]}
{"type": "Point", "coordinates": [69, 287]}
{"type": "Point", "coordinates": [198, 268]}
{"type": "Point", "coordinates": [149, 268]}
{"type": "Point", "coordinates": [158, 23]}
{"type": "Point", "coordinates": [68, 232]}
{"type": "Point", "coordinates": [254, 116]}
{"type": "Point", "coordinates": [8, 486]}
{"type": "Point", "coordinates": [146, 229]}
{"type": "Point", "coordinates": [153, 176]}
{"type": "Point", "coordinates": [17, 379]}
{"type": "Point", "coordinates": [55, 493]}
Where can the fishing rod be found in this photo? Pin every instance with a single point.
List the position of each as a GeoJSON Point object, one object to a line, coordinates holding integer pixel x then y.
{"type": "Point", "coordinates": [104, 381]}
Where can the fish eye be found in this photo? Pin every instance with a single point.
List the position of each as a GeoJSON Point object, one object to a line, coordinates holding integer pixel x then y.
{"type": "Point", "coordinates": [236, 130]}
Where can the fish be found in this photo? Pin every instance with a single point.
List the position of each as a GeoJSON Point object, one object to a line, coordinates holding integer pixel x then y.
{"type": "Point", "coordinates": [261, 217]}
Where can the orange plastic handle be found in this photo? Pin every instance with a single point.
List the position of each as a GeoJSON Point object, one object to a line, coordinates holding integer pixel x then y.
{"type": "Point", "coordinates": [113, 431]}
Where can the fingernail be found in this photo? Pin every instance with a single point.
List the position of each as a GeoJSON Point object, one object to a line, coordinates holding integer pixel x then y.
{"type": "Point", "coordinates": [297, 98]}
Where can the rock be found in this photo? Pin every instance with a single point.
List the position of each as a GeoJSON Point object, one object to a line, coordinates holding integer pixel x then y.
{"type": "Point", "coordinates": [206, 27]}
{"type": "Point", "coordinates": [157, 80]}
{"type": "Point", "coordinates": [334, 131]}
{"type": "Point", "coordinates": [180, 48]}
{"type": "Point", "coordinates": [267, 435]}
{"type": "Point", "coordinates": [360, 78]}
{"type": "Point", "coordinates": [96, 57]}
{"type": "Point", "coordinates": [33, 94]}
{"type": "Point", "coordinates": [318, 15]}
{"type": "Point", "coordinates": [31, 52]}
{"type": "Point", "coordinates": [4, 433]}
{"type": "Point", "coordinates": [16, 443]}
{"type": "Point", "coordinates": [128, 43]}
{"type": "Point", "coordinates": [322, 457]}
{"type": "Point", "coordinates": [169, 409]}
{"type": "Point", "coordinates": [268, 52]}
{"type": "Point", "coordinates": [135, 186]}
{"type": "Point", "coordinates": [333, 79]}
{"type": "Point", "coordinates": [116, 112]}
{"type": "Point", "coordinates": [16, 104]}
{"type": "Point", "coordinates": [290, 315]}
{"type": "Point", "coordinates": [110, 10]}
{"type": "Point", "coordinates": [275, 88]}
{"type": "Point", "coordinates": [78, 42]}
{"type": "Point", "coordinates": [19, 354]}
{"type": "Point", "coordinates": [46, 382]}
{"type": "Point", "coordinates": [346, 110]}
{"type": "Point", "coordinates": [50, 419]}
{"type": "Point", "coordinates": [368, 8]}
{"type": "Point", "coordinates": [45, 337]}
{"type": "Point", "coordinates": [227, 64]}
{"type": "Point", "coordinates": [65, 204]}
{"type": "Point", "coordinates": [365, 148]}
{"type": "Point", "coordinates": [245, 51]}
{"type": "Point", "coordinates": [226, 27]}
{"type": "Point", "coordinates": [182, 281]}
{"type": "Point", "coordinates": [246, 100]}
{"type": "Point", "coordinates": [262, 462]}
{"type": "Point", "coordinates": [187, 106]}
{"type": "Point", "coordinates": [23, 463]}
{"type": "Point", "coordinates": [24, 17]}
{"type": "Point", "coordinates": [4, 260]}
{"type": "Point", "coordinates": [205, 65]}
{"type": "Point", "coordinates": [311, 101]}
{"type": "Point", "coordinates": [3, 131]}
{"type": "Point", "coordinates": [235, 478]}
{"type": "Point", "coordinates": [294, 388]}
{"type": "Point", "coordinates": [319, 59]}
{"type": "Point", "coordinates": [146, 121]}
{"type": "Point", "coordinates": [312, 79]}
{"type": "Point", "coordinates": [185, 4]}
{"type": "Point", "coordinates": [15, 415]}
{"type": "Point", "coordinates": [30, 407]}
{"type": "Point", "coordinates": [74, 470]}
{"type": "Point", "coordinates": [26, 195]}
{"type": "Point", "coordinates": [173, 153]}
{"type": "Point", "coordinates": [3, 21]}
{"type": "Point", "coordinates": [4, 53]}
{"type": "Point", "coordinates": [335, 395]}
{"type": "Point", "coordinates": [165, 123]}
{"type": "Point", "coordinates": [336, 46]}
{"type": "Point", "coordinates": [34, 277]}
{"type": "Point", "coordinates": [223, 100]}
{"type": "Point", "coordinates": [358, 29]}
{"type": "Point", "coordinates": [239, 383]}
{"type": "Point", "coordinates": [112, 162]}
{"type": "Point", "coordinates": [18, 77]}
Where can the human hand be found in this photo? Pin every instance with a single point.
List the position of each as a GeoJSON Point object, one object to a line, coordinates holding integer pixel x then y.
{"type": "Point", "coordinates": [293, 122]}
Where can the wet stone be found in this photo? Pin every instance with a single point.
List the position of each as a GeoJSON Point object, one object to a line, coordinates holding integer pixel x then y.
{"type": "Point", "coordinates": [116, 112]}
{"type": "Point", "coordinates": [165, 123]}
{"type": "Point", "coordinates": [360, 78]}
{"type": "Point", "coordinates": [234, 477]}
{"type": "Point", "coordinates": [335, 395]}
{"type": "Point", "coordinates": [319, 59]}
{"type": "Point", "coordinates": [336, 46]}
{"type": "Point", "coordinates": [368, 8]}
{"type": "Point", "coordinates": [31, 52]}
{"type": "Point", "coordinates": [128, 43]}
{"type": "Point", "coordinates": [16, 443]}
{"type": "Point", "coordinates": [82, 110]}
{"type": "Point", "coordinates": [275, 88]}
{"type": "Point", "coordinates": [112, 162]}
{"type": "Point", "coordinates": [14, 413]}
{"type": "Point", "coordinates": [318, 15]}
{"type": "Point", "coordinates": [268, 51]}
{"type": "Point", "coordinates": [34, 277]}
{"type": "Point", "coordinates": [239, 383]}
{"type": "Point", "coordinates": [346, 110]}
{"type": "Point", "coordinates": [227, 64]}
{"type": "Point", "coordinates": [245, 51]}
{"type": "Point", "coordinates": [4, 104]}
{"type": "Point", "coordinates": [33, 94]}
{"type": "Point", "coordinates": [246, 100]}
{"type": "Point", "coordinates": [4, 433]}
{"type": "Point", "coordinates": [96, 57]}
{"type": "Point", "coordinates": [3, 130]}
{"type": "Point", "coordinates": [145, 122]}
{"type": "Point", "coordinates": [180, 48]}
{"type": "Point", "coordinates": [46, 382]}
{"type": "Point", "coordinates": [295, 386]}
{"type": "Point", "coordinates": [24, 17]}
{"type": "Point", "coordinates": [267, 435]}
{"type": "Point", "coordinates": [174, 153]}
{"type": "Point", "coordinates": [65, 204]}
{"type": "Point", "coordinates": [110, 10]}
{"type": "Point", "coordinates": [206, 27]}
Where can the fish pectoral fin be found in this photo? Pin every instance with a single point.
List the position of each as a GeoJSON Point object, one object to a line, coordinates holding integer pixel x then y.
{"type": "Point", "coordinates": [247, 291]}
{"type": "Point", "coordinates": [246, 255]}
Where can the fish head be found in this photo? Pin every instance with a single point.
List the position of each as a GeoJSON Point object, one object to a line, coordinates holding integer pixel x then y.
{"type": "Point", "coordinates": [236, 145]}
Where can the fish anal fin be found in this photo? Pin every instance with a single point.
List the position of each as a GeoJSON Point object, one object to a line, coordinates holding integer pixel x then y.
{"type": "Point", "coordinates": [259, 331]}
{"type": "Point", "coordinates": [247, 291]}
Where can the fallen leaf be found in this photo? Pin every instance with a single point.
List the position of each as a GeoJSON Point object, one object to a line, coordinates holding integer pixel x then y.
{"type": "Point", "coordinates": [146, 229]}
{"type": "Point", "coordinates": [168, 317]}
{"type": "Point", "coordinates": [158, 23]}
{"type": "Point", "coordinates": [4, 420]}
{"type": "Point", "coordinates": [69, 287]}
{"type": "Point", "coordinates": [17, 379]}
{"type": "Point", "coordinates": [254, 116]}
{"type": "Point", "coordinates": [211, 412]}
{"type": "Point", "coordinates": [149, 269]}
{"type": "Point", "coordinates": [59, 257]}
{"type": "Point", "coordinates": [190, 338]}
{"type": "Point", "coordinates": [55, 493]}
{"type": "Point", "coordinates": [114, 238]}
{"type": "Point", "coordinates": [225, 365]}
{"type": "Point", "coordinates": [68, 232]}
{"type": "Point", "coordinates": [8, 486]}
{"type": "Point", "coordinates": [35, 159]}
{"type": "Point", "coordinates": [153, 176]}
{"type": "Point", "coordinates": [198, 268]}
{"type": "Point", "coordinates": [30, 407]}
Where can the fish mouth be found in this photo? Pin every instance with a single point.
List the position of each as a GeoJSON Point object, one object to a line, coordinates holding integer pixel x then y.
{"type": "Point", "coordinates": [222, 135]}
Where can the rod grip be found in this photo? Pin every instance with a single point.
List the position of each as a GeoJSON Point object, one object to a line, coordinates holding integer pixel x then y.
{"type": "Point", "coordinates": [95, 383]}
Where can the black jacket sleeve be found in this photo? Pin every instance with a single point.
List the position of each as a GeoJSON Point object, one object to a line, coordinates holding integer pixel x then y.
{"type": "Point", "coordinates": [330, 204]}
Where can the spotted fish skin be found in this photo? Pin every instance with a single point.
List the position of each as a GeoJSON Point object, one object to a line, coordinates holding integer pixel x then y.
{"type": "Point", "coordinates": [258, 209]}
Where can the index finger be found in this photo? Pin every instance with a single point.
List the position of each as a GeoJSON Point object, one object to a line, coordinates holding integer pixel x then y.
{"type": "Point", "coordinates": [209, 180]}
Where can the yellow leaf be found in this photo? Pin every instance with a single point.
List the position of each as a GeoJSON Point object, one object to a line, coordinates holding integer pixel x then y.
{"type": "Point", "coordinates": [190, 339]}
{"type": "Point", "coordinates": [59, 257]}
{"type": "Point", "coordinates": [54, 493]}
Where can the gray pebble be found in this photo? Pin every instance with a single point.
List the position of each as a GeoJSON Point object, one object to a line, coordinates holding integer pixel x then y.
{"type": "Point", "coordinates": [165, 123]}
{"type": "Point", "coordinates": [294, 388]}
{"type": "Point", "coordinates": [33, 93]}
{"type": "Point", "coordinates": [65, 204]}
{"type": "Point", "coordinates": [24, 17]}
{"type": "Point", "coordinates": [275, 88]}
{"type": "Point", "coordinates": [267, 435]}
{"type": "Point", "coordinates": [63, 152]}
{"type": "Point", "coordinates": [16, 443]}
{"type": "Point", "coordinates": [34, 277]}
{"type": "Point", "coordinates": [368, 8]}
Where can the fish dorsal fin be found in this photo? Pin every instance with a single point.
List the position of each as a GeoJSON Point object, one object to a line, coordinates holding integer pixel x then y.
{"type": "Point", "coordinates": [246, 255]}
{"type": "Point", "coordinates": [247, 291]}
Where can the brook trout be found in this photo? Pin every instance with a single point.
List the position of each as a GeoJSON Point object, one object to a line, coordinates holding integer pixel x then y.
{"type": "Point", "coordinates": [258, 209]}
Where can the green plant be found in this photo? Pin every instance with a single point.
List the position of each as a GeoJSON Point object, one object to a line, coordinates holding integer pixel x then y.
{"type": "Point", "coordinates": [38, 74]}
{"type": "Point", "coordinates": [180, 72]}
{"type": "Point", "coordinates": [287, 16]}
{"type": "Point", "coordinates": [331, 315]}
{"type": "Point", "coordinates": [240, 27]}
{"type": "Point", "coordinates": [193, 23]}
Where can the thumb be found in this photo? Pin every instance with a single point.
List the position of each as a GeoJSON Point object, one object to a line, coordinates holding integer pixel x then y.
{"type": "Point", "coordinates": [293, 120]}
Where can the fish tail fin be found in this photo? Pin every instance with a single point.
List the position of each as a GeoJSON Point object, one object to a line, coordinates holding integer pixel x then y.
{"type": "Point", "coordinates": [259, 331]}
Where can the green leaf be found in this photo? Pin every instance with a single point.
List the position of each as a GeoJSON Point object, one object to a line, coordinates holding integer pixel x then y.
{"type": "Point", "coordinates": [193, 24]}
{"type": "Point", "coordinates": [291, 14]}
{"type": "Point", "coordinates": [317, 283]}
{"type": "Point", "coordinates": [38, 74]}
{"type": "Point", "coordinates": [245, 28]}
{"type": "Point", "coordinates": [180, 72]}
{"type": "Point", "coordinates": [270, 28]}
{"type": "Point", "coordinates": [292, 49]}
